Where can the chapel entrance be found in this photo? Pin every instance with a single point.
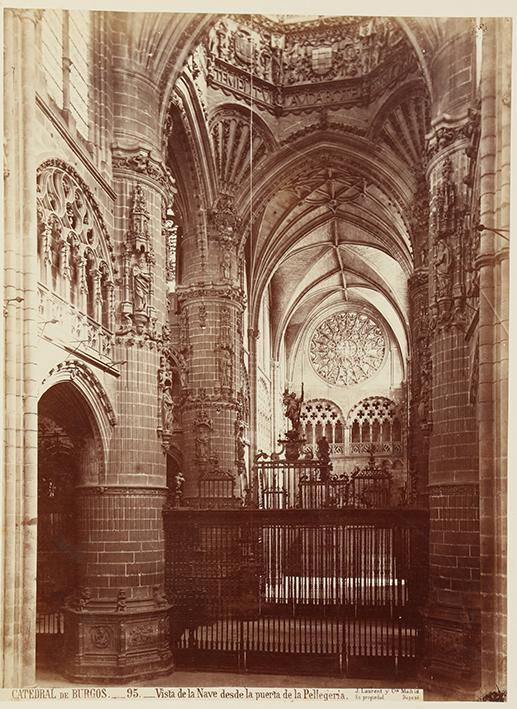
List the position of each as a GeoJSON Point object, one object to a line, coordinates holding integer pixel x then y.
{"type": "Point", "coordinates": [66, 449]}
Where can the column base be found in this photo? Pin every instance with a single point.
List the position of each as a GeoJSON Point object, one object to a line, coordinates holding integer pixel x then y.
{"type": "Point", "coordinates": [118, 647]}
{"type": "Point", "coordinates": [451, 666]}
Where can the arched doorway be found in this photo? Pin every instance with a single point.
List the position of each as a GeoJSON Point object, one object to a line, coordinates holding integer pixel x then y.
{"type": "Point", "coordinates": [68, 455]}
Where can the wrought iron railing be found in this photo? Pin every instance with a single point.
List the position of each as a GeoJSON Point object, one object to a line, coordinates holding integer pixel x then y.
{"type": "Point", "coordinates": [293, 589]}
{"type": "Point", "coordinates": [307, 483]}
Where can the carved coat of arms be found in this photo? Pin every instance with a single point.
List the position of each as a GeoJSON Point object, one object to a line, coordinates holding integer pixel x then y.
{"type": "Point", "coordinates": [322, 58]}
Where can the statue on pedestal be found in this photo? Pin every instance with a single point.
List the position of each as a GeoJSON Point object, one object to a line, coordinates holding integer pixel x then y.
{"type": "Point", "coordinates": [293, 407]}
{"type": "Point", "coordinates": [293, 441]}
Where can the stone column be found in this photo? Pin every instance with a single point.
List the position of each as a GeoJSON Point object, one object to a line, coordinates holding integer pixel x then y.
{"type": "Point", "coordinates": [119, 620]}
{"type": "Point", "coordinates": [493, 345]}
{"type": "Point", "coordinates": [211, 302]}
{"type": "Point", "coordinates": [20, 475]}
{"type": "Point", "coordinates": [452, 615]}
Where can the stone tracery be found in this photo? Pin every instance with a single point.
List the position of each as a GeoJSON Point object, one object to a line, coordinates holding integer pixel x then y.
{"type": "Point", "coordinates": [347, 348]}
{"type": "Point", "coordinates": [75, 251]}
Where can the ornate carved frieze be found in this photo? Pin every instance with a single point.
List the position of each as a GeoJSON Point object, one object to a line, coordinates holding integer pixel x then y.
{"type": "Point", "coordinates": [339, 52]}
{"type": "Point", "coordinates": [344, 63]}
{"type": "Point", "coordinates": [194, 400]}
{"type": "Point", "coordinates": [141, 161]}
{"type": "Point", "coordinates": [213, 291]}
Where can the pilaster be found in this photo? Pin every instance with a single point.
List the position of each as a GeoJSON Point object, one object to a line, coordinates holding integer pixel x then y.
{"type": "Point", "coordinates": [20, 311]}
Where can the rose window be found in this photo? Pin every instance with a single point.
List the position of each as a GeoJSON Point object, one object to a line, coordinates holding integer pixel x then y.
{"type": "Point", "coordinates": [347, 348]}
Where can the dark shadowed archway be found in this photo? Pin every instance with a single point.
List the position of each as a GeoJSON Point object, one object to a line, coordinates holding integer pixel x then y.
{"type": "Point", "coordinates": [68, 456]}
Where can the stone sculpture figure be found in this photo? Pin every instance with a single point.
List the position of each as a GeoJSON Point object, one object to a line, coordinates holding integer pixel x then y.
{"type": "Point", "coordinates": [293, 407]}
{"type": "Point", "coordinates": [141, 284]}
{"type": "Point", "coordinates": [226, 367]}
{"type": "Point", "coordinates": [443, 265]}
{"type": "Point", "coordinates": [167, 406]}
{"type": "Point", "coordinates": [241, 444]}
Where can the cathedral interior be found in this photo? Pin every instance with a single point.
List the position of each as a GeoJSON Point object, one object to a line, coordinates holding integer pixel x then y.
{"type": "Point", "coordinates": [256, 347]}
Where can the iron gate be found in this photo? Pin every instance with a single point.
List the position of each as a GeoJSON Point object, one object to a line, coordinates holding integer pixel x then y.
{"type": "Point", "coordinates": [332, 591]}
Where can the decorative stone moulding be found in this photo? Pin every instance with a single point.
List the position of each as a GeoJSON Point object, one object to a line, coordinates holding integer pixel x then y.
{"type": "Point", "coordinates": [211, 291]}
{"type": "Point", "coordinates": [75, 370]}
{"type": "Point", "coordinates": [347, 348]}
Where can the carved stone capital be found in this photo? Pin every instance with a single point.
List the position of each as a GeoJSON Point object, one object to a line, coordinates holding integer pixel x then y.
{"type": "Point", "coordinates": [143, 162]}
{"type": "Point", "coordinates": [449, 131]}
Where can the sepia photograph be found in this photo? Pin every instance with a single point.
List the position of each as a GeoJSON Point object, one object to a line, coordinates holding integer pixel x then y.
{"type": "Point", "coordinates": [255, 276]}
